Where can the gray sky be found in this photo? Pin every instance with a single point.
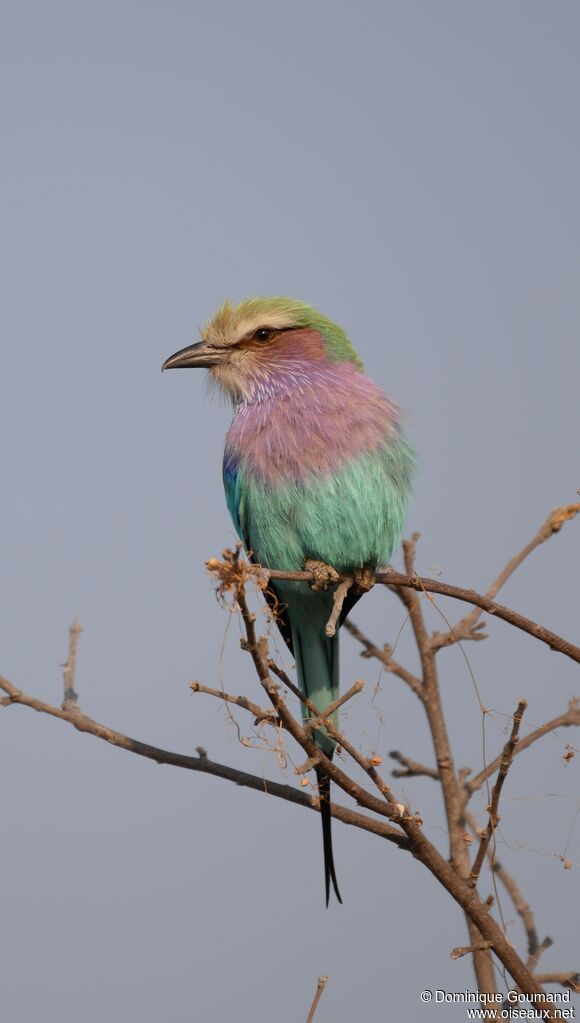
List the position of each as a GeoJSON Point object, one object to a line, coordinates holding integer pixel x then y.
{"type": "Point", "coordinates": [412, 170]}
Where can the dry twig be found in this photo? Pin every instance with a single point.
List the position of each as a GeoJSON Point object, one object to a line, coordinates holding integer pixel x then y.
{"type": "Point", "coordinates": [322, 982]}
{"type": "Point", "coordinates": [568, 719]}
{"type": "Point", "coordinates": [493, 819]}
{"type": "Point", "coordinates": [390, 819]}
{"type": "Point", "coordinates": [465, 950]}
{"type": "Point", "coordinates": [411, 768]}
{"type": "Point", "coordinates": [70, 698]}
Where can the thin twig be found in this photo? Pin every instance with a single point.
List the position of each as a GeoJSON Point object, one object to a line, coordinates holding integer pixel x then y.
{"type": "Point", "coordinates": [534, 959]}
{"type": "Point", "coordinates": [493, 818]}
{"type": "Point", "coordinates": [452, 794]}
{"type": "Point", "coordinates": [202, 763]}
{"type": "Point", "coordinates": [422, 849]}
{"type": "Point", "coordinates": [317, 718]}
{"type": "Point", "coordinates": [338, 599]}
{"type": "Point", "coordinates": [482, 925]}
{"type": "Point", "coordinates": [260, 714]}
{"type": "Point", "coordinates": [435, 714]}
{"type": "Point", "coordinates": [467, 628]}
{"type": "Point", "coordinates": [569, 718]}
{"type": "Point", "coordinates": [70, 698]}
{"type": "Point", "coordinates": [465, 950]}
{"type": "Point", "coordinates": [522, 908]}
{"type": "Point", "coordinates": [411, 768]}
{"type": "Point", "coordinates": [459, 633]}
{"type": "Point", "coordinates": [322, 982]}
{"type": "Point", "coordinates": [385, 656]}
{"type": "Point", "coordinates": [258, 650]}
{"type": "Point", "coordinates": [397, 580]}
{"type": "Point", "coordinates": [571, 979]}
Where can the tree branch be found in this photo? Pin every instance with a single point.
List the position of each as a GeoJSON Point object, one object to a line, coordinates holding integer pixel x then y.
{"type": "Point", "coordinates": [522, 908]}
{"type": "Point", "coordinates": [493, 819]}
{"type": "Point", "coordinates": [467, 628]}
{"type": "Point", "coordinates": [570, 718]}
{"type": "Point", "coordinates": [411, 768]}
{"type": "Point", "coordinates": [389, 577]}
{"type": "Point", "coordinates": [464, 950]}
{"type": "Point", "coordinates": [83, 723]}
{"type": "Point", "coordinates": [70, 698]}
{"type": "Point", "coordinates": [483, 928]}
{"type": "Point", "coordinates": [385, 656]}
{"type": "Point", "coordinates": [322, 982]}
{"type": "Point", "coordinates": [571, 979]}
{"type": "Point", "coordinates": [260, 714]}
{"type": "Point", "coordinates": [484, 932]}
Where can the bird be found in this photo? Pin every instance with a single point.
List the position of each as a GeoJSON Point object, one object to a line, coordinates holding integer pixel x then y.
{"type": "Point", "coordinates": [317, 472]}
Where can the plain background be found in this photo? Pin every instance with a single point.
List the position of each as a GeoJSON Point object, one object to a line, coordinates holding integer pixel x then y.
{"type": "Point", "coordinates": [412, 170]}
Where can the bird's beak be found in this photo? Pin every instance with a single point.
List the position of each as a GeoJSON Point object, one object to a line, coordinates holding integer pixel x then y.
{"type": "Point", "coordinates": [200, 355]}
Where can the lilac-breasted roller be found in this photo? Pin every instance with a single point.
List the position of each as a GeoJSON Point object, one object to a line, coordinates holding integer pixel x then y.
{"type": "Point", "coordinates": [316, 472]}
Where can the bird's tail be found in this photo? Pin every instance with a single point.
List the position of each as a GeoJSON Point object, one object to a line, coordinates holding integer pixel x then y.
{"type": "Point", "coordinates": [324, 797]}
{"type": "Point", "coordinates": [317, 667]}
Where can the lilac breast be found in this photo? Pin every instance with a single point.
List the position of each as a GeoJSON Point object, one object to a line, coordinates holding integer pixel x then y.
{"type": "Point", "coordinates": [309, 420]}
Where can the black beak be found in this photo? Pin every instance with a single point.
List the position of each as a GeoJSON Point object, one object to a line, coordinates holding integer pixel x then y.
{"type": "Point", "coordinates": [200, 355]}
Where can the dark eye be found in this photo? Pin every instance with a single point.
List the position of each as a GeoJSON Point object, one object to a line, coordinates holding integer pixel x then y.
{"type": "Point", "coordinates": [263, 334]}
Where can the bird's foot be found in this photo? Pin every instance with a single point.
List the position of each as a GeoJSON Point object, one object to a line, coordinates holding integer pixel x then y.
{"type": "Point", "coordinates": [324, 575]}
{"type": "Point", "coordinates": [364, 579]}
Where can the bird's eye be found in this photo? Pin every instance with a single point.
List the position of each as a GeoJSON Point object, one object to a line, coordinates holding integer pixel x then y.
{"type": "Point", "coordinates": [263, 334]}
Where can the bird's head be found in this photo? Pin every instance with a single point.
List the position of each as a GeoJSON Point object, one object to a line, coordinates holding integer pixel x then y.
{"type": "Point", "coordinates": [250, 347]}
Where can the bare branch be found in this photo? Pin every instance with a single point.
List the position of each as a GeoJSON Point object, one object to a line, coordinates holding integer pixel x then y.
{"type": "Point", "coordinates": [258, 650]}
{"type": "Point", "coordinates": [396, 580]}
{"type": "Point", "coordinates": [568, 719]}
{"type": "Point", "coordinates": [260, 714]}
{"type": "Point", "coordinates": [434, 712]}
{"type": "Point", "coordinates": [202, 763]}
{"type": "Point", "coordinates": [464, 950]}
{"type": "Point", "coordinates": [411, 768]}
{"type": "Point", "coordinates": [385, 656]}
{"type": "Point", "coordinates": [571, 979]}
{"type": "Point", "coordinates": [338, 599]}
{"type": "Point", "coordinates": [482, 926]}
{"type": "Point", "coordinates": [322, 982]}
{"type": "Point", "coordinates": [534, 959]}
{"type": "Point", "coordinates": [522, 908]}
{"type": "Point", "coordinates": [466, 628]}
{"type": "Point", "coordinates": [70, 698]}
{"type": "Point", "coordinates": [321, 716]}
{"type": "Point", "coordinates": [485, 934]}
{"type": "Point", "coordinates": [493, 820]}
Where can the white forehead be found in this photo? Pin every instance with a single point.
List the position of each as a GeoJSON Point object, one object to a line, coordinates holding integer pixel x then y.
{"type": "Point", "coordinates": [232, 327]}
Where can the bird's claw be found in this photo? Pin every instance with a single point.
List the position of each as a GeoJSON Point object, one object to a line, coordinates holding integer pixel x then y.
{"type": "Point", "coordinates": [364, 579]}
{"type": "Point", "coordinates": [324, 575]}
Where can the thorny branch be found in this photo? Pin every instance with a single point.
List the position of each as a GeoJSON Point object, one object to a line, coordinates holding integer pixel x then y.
{"type": "Point", "coordinates": [384, 815]}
